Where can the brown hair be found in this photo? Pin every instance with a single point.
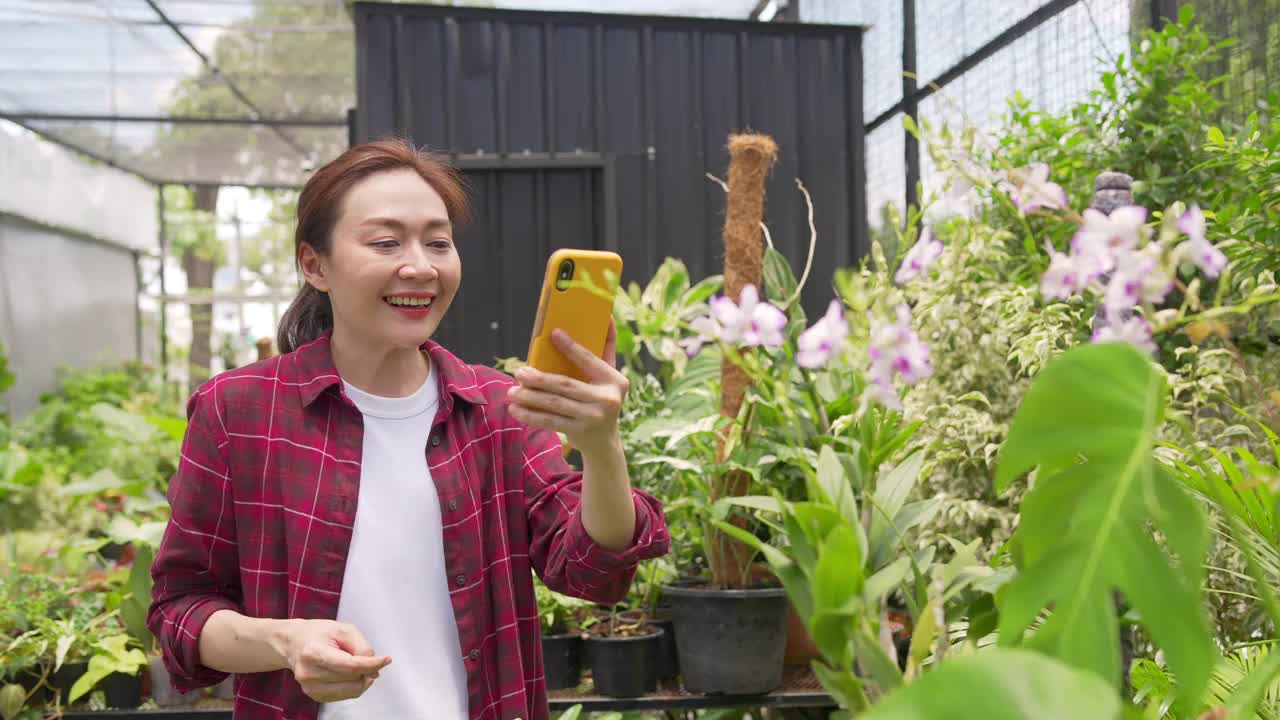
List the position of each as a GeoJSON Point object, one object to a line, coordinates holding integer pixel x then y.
{"type": "Point", "coordinates": [320, 205]}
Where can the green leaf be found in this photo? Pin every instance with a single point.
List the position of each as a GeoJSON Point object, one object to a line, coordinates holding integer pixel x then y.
{"type": "Point", "coordinates": [704, 289]}
{"type": "Point", "coordinates": [832, 633]}
{"type": "Point", "coordinates": [176, 428]}
{"type": "Point", "coordinates": [875, 661]}
{"type": "Point", "coordinates": [843, 686]}
{"type": "Point", "coordinates": [571, 714]}
{"type": "Point", "coordinates": [91, 677]}
{"type": "Point", "coordinates": [922, 637]}
{"type": "Point", "coordinates": [891, 493]}
{"type": "Point", "coordinates": [656, 291]}
{"type": "Point", "coordinates": [1089, 423]}
{"type": "Point", "coordinates": [671, 462]}
{"type": "Point", "coordinates": [808, 526]}
{"type": "Point", "coordinates": [837, 580]}
{"type": "Point", "coordinates": [65, 640]}
{"type": "Point", "coordinates": [909, 124]}
{"type": "Point", "coordinates": [1069, 412]}
{"type": "Point", "coordinates": [1247, 695]}
{"type": "Point", "coordinates": [123, 425]}
{"type": "Point", "coordinates": [627, 344]}
{"type": "Point", "coordinates": [779, 280]}
{"type": "Point", "coordinates": [1001, 684]}
{"type": "Point", "coordinates": [1216, 137]}
{"type": "Point", "coordinates": [771, 554]}
{"type": "Point", "coordinates": [755, 502]}
{"type": "Point", "coordinates": [96, 483]}
{"type": "Point", "coordinates": [835, 485]}
{"type": "Point", "coordinates": [884, 581]}
{"type": "Point", "coordinates": [1186, 530]}
{"type": "Point", "coordinates": [12, 698]}
{"type": "Point", "coordinates": [983, 617]}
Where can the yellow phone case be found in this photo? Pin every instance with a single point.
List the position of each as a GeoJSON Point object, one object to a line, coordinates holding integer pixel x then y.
{"type": "Point", "coordinates": [579, 311]}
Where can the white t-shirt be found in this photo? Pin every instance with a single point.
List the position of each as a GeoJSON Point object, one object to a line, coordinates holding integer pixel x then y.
{"type": "Point", "coordinates": [395, 589]}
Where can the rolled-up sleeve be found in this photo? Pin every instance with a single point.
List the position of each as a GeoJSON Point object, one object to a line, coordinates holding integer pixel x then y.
{"type": "Point", "coordinates": [565, 556]}
{"type": "Point", "coordinates": [196, 568]}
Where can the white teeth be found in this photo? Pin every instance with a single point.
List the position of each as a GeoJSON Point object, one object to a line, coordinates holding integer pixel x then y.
{"type": "Point", "coordinates": [409, 302]}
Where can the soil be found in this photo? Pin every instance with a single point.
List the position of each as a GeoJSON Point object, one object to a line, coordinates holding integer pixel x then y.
{"type": "Point", "coordinates": [628, 628]}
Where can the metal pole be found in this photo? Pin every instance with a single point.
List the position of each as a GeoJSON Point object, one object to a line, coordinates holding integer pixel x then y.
{"type": "Point", "coordinates": [237, 266]}
{"type": "Point", "coordinates": [137, 305]}
{"type": "Point", "coordinates": [164, 308]}
{"type": "Point", "coordinates": [1163, 11]}
{"type": "Point", "coordinates": [910, 107]}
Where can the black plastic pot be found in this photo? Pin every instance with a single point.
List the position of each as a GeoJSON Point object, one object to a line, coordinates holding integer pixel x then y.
{"type": "Point", "coordinates": [625, 667]}
{"type": "Point", "coordinates": [561, 660]}
{"type": "Point", "coordinates": [66, 676]}
{"type": "Point", "coordinates": [122, 691]}
{"type": "Point", "coordinates": [668, 658]}
{"type": "Point", "coordinates": [730, 641]}
{"type": "Point", "coordinates": [28, 680]}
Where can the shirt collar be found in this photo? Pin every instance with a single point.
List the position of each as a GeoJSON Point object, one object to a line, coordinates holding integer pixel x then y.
{"type": "Point", "coordinates": [316, 373]}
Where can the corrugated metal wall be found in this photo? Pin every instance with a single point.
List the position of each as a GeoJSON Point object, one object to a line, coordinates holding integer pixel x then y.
{"type": "Point", "coordinates": [65, 302]}
{"type": "Point", "coordinates": [638, 109]}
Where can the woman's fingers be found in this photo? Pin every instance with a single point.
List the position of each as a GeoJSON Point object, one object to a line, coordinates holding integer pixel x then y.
{"type": "Point", "coordinates": [327, 692]}
{"type": "Point", "coordinates": [551, 403]}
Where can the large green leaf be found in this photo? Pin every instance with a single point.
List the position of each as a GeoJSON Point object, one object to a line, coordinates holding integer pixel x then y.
{"type": "Point", "coordinates": [1088, 423]}
{"type": "Point", "coordinates": [1001, 684]}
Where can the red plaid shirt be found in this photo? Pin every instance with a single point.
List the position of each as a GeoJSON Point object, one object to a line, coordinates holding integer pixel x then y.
{"type": "Point", "coordinates": [264, 501]}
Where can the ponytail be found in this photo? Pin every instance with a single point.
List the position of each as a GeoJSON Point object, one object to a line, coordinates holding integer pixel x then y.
{"type": "Point", "coordinates": [309, 316]}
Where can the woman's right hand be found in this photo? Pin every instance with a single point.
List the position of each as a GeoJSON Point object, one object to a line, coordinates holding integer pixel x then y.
{"type": "Point", "coordinates": [331, 660]}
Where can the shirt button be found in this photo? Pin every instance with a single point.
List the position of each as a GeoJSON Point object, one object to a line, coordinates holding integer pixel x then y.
{"type": "Point", "coordinates": [475, 655]}
{"type": "Point", "coordinates": [453, 503]}
{"type": "Point", "coordinates": [461, 580]}
{"type": "Point", "coordinates": [435, 441]}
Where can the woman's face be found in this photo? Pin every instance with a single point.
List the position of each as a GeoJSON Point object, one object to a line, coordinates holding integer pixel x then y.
{"type": "Point", "coordinates": [392, 269]}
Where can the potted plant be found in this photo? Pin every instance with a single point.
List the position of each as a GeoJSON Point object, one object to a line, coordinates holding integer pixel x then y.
{"type": "Point", "coordinates": [133, 614]}
{"type": "Point", "coordinates": [562, 619]}
{"type": "Point", "coordinates": [623, 655]}
{"type": "Point", "coordinates": [787, 395]}
{"type": "Point", "coordinates": [648, 608]}
{"type": "Point", "coordinates": [115, 667]}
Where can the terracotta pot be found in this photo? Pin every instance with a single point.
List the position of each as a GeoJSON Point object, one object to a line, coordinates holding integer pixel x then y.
{"type": "Point", "coordinates": [800, 646]}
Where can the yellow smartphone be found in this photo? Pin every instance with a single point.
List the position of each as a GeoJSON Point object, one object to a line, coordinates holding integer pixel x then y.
{"type": "Point", "coordinates": [577, 297]}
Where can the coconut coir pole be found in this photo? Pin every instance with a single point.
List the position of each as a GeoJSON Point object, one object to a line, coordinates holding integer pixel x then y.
{"type": "Point", "coordinates": [751, 157]}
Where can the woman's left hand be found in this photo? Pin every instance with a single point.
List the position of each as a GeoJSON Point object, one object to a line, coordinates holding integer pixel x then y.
{"type": "Point", "coordinates": [586, 412]}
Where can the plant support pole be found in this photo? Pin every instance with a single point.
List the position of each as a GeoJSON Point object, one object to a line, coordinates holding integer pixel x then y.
{"type": "Point", "coordinates": [751, 157]}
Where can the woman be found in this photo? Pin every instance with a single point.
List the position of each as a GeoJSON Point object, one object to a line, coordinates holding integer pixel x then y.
{"type": "Point", "coordinates": [355, 521]}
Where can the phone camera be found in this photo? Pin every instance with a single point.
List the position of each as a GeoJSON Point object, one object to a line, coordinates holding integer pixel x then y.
{"type": "Point", "coordinates": [565, 275]}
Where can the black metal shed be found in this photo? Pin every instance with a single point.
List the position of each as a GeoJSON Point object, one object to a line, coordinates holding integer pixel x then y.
{"type": "Point", "coordinates": [597, 131]}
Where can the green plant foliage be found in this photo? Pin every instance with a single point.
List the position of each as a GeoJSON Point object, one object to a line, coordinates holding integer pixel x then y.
{"type": "Point", "coordinates": [1083, 527]}
{"type": "Point", "coordinates": [1004, 684]}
